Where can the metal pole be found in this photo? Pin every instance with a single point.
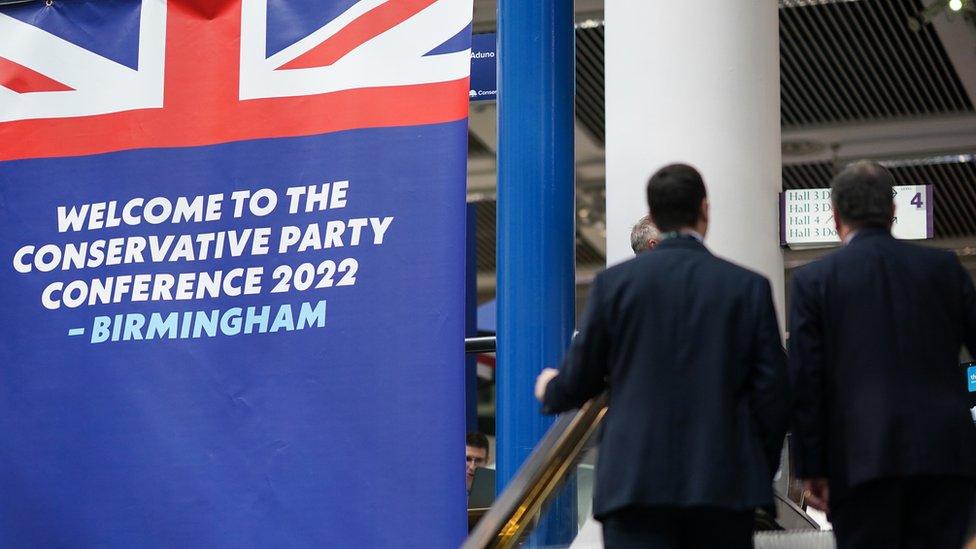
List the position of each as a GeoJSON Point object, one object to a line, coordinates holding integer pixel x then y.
{"type": "Point", "coordinates": [536, 214]}
{"type": "Point", "coordinates": [478, 345]}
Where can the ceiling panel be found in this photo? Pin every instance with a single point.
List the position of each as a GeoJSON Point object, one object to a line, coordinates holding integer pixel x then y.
{"type": "Point", "coordinates": [858, 61]}
{"type": "Point", "coordinates": [590, 109]}
{"type": "Point", "coordinates": [841, 61]}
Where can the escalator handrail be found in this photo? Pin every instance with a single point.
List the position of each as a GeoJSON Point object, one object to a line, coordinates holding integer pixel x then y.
{"type": "Point", "coordinates": [480, 344]}
{"type": "Point", "coordinates": [798, 513]}
{"type": "Point", "coordinates": [539, 478]}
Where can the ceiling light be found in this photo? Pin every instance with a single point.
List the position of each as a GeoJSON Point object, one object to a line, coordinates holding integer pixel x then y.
{"type": "Point", "coordinates": [590, 24]}
{"type": "Point", "coordinates": [955, 5]}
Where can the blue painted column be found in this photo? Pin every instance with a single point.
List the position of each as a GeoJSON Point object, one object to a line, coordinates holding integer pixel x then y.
{"type": "Point", "coordinates": [536, 215]}
{"type": "Point", "coordinates": [471, 319]}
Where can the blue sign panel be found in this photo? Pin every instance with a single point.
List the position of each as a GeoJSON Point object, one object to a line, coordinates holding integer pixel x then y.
{"type": "Point", "coordinates": [232, 283]}
{"type": "Point", "coordinates": [971, 376]}
{"type": "Point", "coordinates": [484, 85]}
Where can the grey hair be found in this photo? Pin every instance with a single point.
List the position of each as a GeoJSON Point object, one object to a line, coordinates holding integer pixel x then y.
{"type": "Point", "coordinates": [643, 231]}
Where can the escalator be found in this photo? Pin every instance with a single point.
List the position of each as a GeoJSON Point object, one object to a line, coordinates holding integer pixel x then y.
{"type": "Point", "coordinates": [555, 485]}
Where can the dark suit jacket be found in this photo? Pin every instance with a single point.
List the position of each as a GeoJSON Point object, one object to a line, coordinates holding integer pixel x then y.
{"type": "Point", "coordinates": [875, 334]}
{"type": "Point", "coordinates": [699, 393]}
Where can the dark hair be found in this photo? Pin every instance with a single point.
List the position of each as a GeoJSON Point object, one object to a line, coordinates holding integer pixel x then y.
{"type": "Point", "coordinates": [862, 195]}
{"type": "Point", "coordinates": [477, 440]}
{"type": "Point", "coordinates": [674, 196]}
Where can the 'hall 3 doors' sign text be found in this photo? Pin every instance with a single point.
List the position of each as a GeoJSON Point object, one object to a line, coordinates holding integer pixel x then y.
{"type": "Point", "coordinates": [807, 216]}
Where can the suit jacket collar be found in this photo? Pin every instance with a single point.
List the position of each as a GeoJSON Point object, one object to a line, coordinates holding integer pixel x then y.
{"type": "Point", "coordinates": [684, 242]}
{"type": "Point", "coordinates": [870, 233]}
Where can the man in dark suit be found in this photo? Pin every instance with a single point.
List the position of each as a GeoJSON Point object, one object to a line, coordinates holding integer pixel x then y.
{"type": "Point", "coordinates": [882, 432]}
{"type": "Point", "coordinates": [689, 347]}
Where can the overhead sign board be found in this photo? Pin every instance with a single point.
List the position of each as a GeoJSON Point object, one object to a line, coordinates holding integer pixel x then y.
{"type": "Point", "coordinates": [807, 216]}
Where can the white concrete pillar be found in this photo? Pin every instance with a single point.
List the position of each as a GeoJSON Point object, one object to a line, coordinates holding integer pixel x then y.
{"type": "Point", "coordinates": [697, 81]}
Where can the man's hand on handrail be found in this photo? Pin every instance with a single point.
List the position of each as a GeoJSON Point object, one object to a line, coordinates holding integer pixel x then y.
{"type": "Point", "coordinates": [542, 382]}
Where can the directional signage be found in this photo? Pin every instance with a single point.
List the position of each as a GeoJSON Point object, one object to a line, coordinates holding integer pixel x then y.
{"type": "Point", "coordinates": [807, 216]}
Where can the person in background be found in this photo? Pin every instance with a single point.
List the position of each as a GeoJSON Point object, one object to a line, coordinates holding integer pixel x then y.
{"type": "Point", "coordinates": [475, 455]}
{"type": "Point", "coordinates": [882, 434]}
{"type": "Point", "coordinates": [690, 349]}
{"type": "Point", "coordinates": [644, 236]}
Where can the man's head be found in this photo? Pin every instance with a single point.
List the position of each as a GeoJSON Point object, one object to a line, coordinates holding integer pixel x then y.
{"type": "Point", "coordinates": [677, 199]}
{"type": "Point", "coordinates": [475, 454]}
{"type": "Point", "coordinates": [862, 198]}
{"type": "Point", "coordinates": [644, 236]}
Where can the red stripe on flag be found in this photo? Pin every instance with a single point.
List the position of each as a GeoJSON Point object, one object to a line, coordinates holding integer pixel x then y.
{"type": "Point", "coordinates": [258, 119]}
{"type": "Point", "coordinates": [368, 26]}
{"type": "Point", "coordinates": [20, 79]}
{"type": "Point", "coordinates": [200, 109]}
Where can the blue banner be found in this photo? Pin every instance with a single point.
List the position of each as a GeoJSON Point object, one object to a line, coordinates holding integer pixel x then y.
{"type": "Point", "coordinates": [233, 288]}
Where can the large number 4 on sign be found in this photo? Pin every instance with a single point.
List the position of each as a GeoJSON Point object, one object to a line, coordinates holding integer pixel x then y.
{"type": "Point", "coordinates": [917, 201]}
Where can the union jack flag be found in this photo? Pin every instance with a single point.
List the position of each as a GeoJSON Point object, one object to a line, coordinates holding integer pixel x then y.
{"type": "Point", "coordinates": [150, 82]}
